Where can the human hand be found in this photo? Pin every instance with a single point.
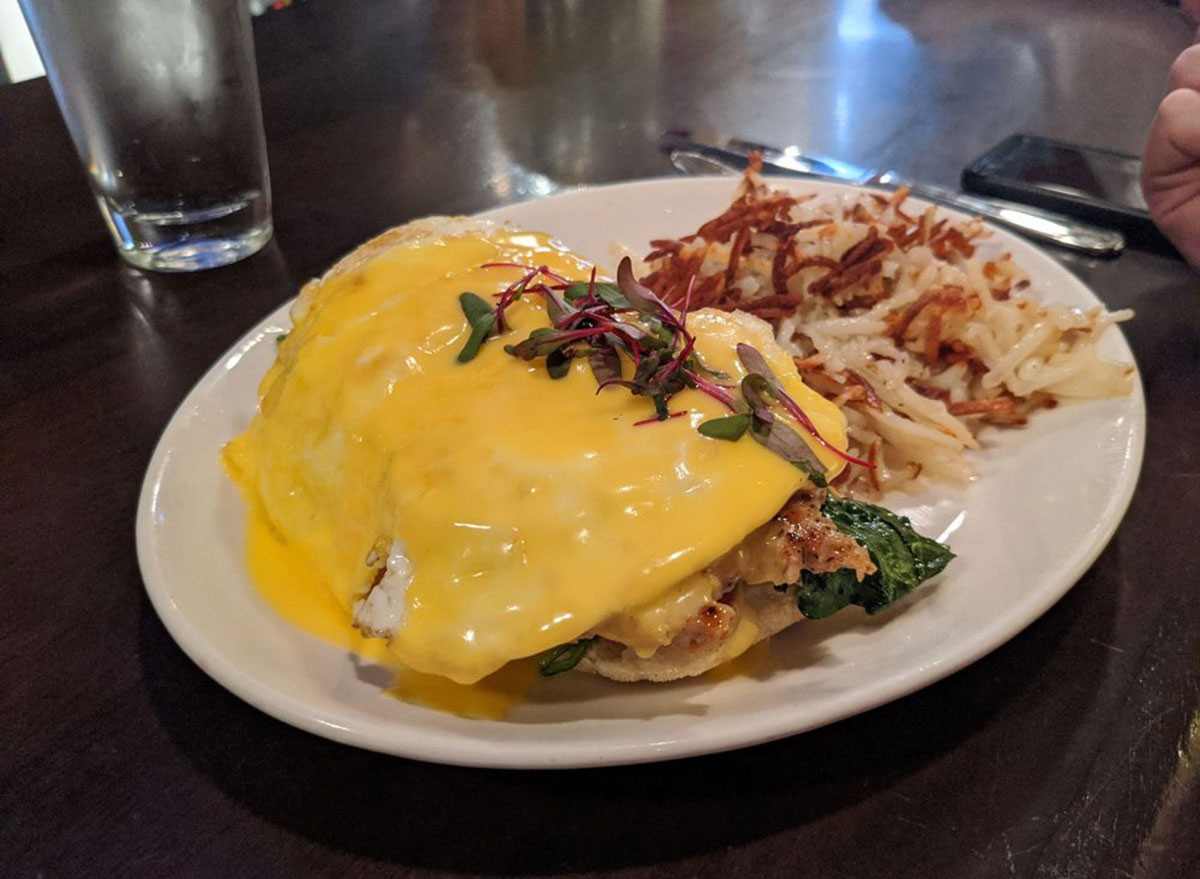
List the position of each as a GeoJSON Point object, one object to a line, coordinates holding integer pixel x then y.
{"type": "Point", "coordinates": [1171, 159]}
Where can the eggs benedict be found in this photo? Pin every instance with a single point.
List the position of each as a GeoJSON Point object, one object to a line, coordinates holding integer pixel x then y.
{"type": "Point", "coordinates": [484, 454]}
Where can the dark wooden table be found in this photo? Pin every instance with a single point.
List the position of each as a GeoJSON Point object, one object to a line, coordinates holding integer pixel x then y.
{"type": "Point", "coordinates": [1072, 751]}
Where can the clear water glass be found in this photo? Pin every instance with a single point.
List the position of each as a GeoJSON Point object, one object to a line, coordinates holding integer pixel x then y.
{"type": "Point", "coordinates": [161, 99]}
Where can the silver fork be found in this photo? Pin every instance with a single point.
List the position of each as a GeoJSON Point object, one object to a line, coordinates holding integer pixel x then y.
{"type": "Point", "coordinates": [687, 156]}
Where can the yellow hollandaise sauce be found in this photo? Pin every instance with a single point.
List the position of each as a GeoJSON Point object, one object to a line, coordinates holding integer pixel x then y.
{"type": "Point", "coordinates": [530, 509]}
{"type": "Point", "coordinates": [307, 603]}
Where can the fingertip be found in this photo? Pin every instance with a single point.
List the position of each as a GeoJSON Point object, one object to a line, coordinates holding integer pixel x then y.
{"type": "Point", "coordinates": [1185, 70]}
{"type": "Point", "coordinates": [1174, 140]}
{"type": "Point", "coordinates": [1180, 111]}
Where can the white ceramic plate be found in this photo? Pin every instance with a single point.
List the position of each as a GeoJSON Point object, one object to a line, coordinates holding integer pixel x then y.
{"type": "Point", "coordinates": [1045, 502]}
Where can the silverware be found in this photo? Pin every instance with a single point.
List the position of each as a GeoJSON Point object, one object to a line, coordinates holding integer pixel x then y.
{"type": "Point", "coordinates": [689, 157]}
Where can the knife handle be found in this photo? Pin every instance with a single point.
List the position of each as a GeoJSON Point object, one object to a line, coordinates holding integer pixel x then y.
{"type": "Point", "coordinates": [1034, 222]}
{"type": "Point", "coordinates": [701, 159]}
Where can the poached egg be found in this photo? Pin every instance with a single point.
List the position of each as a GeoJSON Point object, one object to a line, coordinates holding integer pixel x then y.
{"type": "Point", "coordinates": [505, 511]}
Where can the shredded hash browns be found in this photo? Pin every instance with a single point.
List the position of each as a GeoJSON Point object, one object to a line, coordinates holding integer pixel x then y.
{"type": "Point", "coordinates": [891, 314]}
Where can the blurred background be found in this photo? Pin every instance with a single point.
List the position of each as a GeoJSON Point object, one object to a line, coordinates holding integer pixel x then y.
{"type": "Point", "coordinates": [19, 59]}
{"type": "Point", "coordinates": [537, 96]}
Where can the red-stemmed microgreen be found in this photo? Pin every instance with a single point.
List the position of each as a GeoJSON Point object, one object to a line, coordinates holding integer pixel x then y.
{"type": "Point", "coordinates": [656, 419]}
{"type": "Point", "coordinates": [756, 363]}
{"type": "Point", "coordinates": [774, 434]}
{"type": "Point", "coordinates": [717, 392]}
{"type": "Point", "coordinates": [601, 323]}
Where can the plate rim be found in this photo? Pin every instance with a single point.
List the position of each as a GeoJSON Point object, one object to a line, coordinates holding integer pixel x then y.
{"type": "Point", "coordinates": [534, 755]}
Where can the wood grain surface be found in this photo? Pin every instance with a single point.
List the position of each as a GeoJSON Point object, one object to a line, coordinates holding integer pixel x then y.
{"type": "Point", "coordinates": [1072, 751]}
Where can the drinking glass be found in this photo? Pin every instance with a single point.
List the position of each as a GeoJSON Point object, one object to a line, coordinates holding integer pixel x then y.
{"type": "Point", "coordinates": [161, 99]}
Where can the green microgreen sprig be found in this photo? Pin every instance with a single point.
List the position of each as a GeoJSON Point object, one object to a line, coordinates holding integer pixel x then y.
{"type": "Point", "coordinates": [605, 324]}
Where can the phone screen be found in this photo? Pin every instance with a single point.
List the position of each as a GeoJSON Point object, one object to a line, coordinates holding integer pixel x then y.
{"type": "Point", "coordinates": [1074, 171]}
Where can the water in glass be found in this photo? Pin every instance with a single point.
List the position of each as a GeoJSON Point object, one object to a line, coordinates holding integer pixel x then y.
{"type": "Point", "coordinates": [161, 99]}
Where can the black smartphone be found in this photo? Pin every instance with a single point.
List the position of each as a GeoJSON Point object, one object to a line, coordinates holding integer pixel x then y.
{"type": "Point", "coordinates": [1097, 186]}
